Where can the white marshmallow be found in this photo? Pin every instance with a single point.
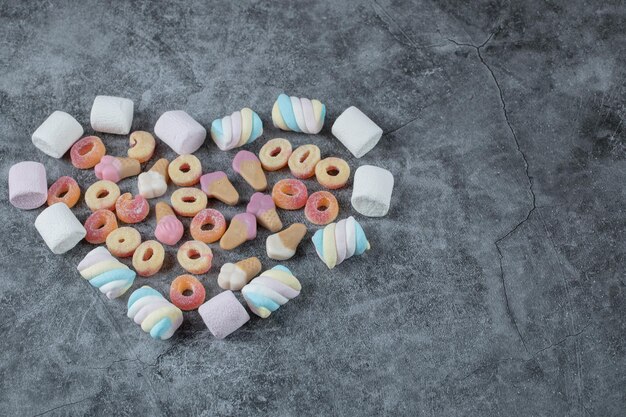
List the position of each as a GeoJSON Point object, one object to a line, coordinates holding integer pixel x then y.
{"type": "Point", "coordinates": [59, 228]}
{"type": "Point", "coordinates": [112, 115]}
{"type": "Point", "coordinates": [57, 134]}
{"type": "Point", "coordinates": [371, 193]}
{"type": "Point", "coordinates": [180, 132]}
{"type": "Point", "coordinates": [151, 184]}
{"type": "Point", "coordinates": [356, 131]}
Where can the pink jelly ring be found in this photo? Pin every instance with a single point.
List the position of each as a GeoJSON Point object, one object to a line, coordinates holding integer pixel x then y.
{"type": "Point", "coordinates": [64, 190]}
{"type": "Point", "coordinates": [99, 225]}
{"type": "Point", "coordinates": [208, 226]}
{"type": "Point", "coordinates": [184, 284]}
{"type": "Point", "coordinates": [290, 194]}
{"type": "Point", "coordinates": [321, 208]}
{"type": "Point", "coordinates": [87, 152]}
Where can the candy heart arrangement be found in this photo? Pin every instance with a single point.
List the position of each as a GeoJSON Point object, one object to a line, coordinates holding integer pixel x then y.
{"type": "Point", "coordinates": [263, 292]}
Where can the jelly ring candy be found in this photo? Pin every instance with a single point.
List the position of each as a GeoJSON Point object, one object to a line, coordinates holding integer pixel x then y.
{"type": "Point", "coordinates": [87, 152]}
{"type": "Point", "coordinates": [142, 146]}
{"type": "Point", "coordinates": [188, 201]}
{"type": "Point", "coordinates": [64, 190]}
{"type": "Point", "coordinates": [131, 210]}
{"type": "Point", "coordinates": [274, 155]}
{"type": "Point", "coordinates": [182, 284]}
{"type": "Point", "coordinates": [332, 173]}
{"type": "Point", "coordinates": [99, 224]}
{"type": "Point", "coordinates": [122, 242]}
{"type": "Point", "coordinates": [102, 195]}
{"type": "Point", "coordinates": [185, 170]}
{"type": "Point", "coordinates": [148, 258]}
{"type": "Point", "coordinates": [303, 160]}
{"type": "Point", "coordinates": [290, 194]}
{"type": "Point", "coordinates": [321, 208]}
{"type": "Point", "coordinates": [195, 257]}
{"type": "Point", "coordinates": [208, 217]}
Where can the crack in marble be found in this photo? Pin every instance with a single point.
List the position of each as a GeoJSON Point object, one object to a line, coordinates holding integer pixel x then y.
{"type": "Point", "coordinates": [62, 406]}
{"type": "Point", "coordinates": [531, 191]}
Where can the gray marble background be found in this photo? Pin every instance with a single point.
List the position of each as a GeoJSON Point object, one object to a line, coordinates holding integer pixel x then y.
{"type": "Point", "coordinates": [495, 286]}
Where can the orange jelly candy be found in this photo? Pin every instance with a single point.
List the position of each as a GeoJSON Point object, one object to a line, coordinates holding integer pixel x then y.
{"type": "Point", "coordinates": [87, 152]}
{"type": "Point", "coordinates": [289, 194]}
{"type": "Point", "coordinates": [64, 190]}
{"type": "Point", "coordinates": [99, 225]}
{"type": "Point", "coordinates": [321, 208]}
{"type": "Point", "coordinates": [216, 226]}
{"type": "Point", "coordinates": [131, 210]}
{"type": "Point", "coordinates": [182, 284]}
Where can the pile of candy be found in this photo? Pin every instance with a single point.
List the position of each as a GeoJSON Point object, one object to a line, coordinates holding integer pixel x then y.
{"type": "Point", "coordinates": [264, 292]}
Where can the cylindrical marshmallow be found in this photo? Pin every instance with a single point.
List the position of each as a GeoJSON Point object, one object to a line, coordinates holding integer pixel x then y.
{"type": "Point", "coordinates": [180, 131]}
{"type": "Point", "coordinates": [57, 134]}
{"type": "Point", "coordinates": [28, 187]}
{"type": "Point", "coordinates": [356, 131]}
{"type": "Point", "coordinates": [59, 228]}
{"type": "Point", "coordinates": [223, 314]}
{"type": "Point", "coordinates": [112, 115]}
{"type": "Point", "coordinates": [372, 190]}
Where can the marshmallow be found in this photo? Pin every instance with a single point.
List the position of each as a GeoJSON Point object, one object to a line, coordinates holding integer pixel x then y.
{"type": "Point", "coordinates": [112, 115]}
{"type": "Point", "coordinates": [59, 228]}
{"type": "Point", "coordinates": [223, 314]}
{"type": "Point", "coordinates": [157, 316]}
{"type": "Point", "coordinates": [270, 290]}
{"type": "Point", "coordinates": [298, 114]}
{"type": "Point", "coordinates": [356, 131]}
{"type": "Point", "coordinates": [106, 273]}
{"type": "Point", "coordinates": [339, 241]}
{"type": "Point", "coordinates": [372, 190]}
{"type": "Point", "coordinates": [57, 134]}
{"type": "Point", "coordinates": [241, 127]}
{"type": "Point", "coordinates": [28, 188]}
{"type": "Point", "coordinates": [180, 132]}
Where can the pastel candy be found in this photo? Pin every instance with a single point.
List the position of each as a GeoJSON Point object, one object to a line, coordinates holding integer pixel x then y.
{"type": "Point", "coordinates": [235, 276]}
{"type": "Point", "coordinates": [180, 132]}
{"type": "Point", "coordinates": [242, 228]}
{"type": "Point", "coordinates": [356, 131]}
{"type": "Point", "coordinates": [236, 130]}
{"type": "Point", "coordinates": [57, 134]}
{"type": "Point", "coordinates": [217, 185]}
{"type": "Point", "coordinates": [339, 241]}
{"type": "Point", "coordinates": [264, 208]}
{"type": "Point", "coordinates": [371, 195]}
{"type": "Point", "coordinates": [28, 187]}
{"type": "Point", "coordinates": [59, 228]}
{"type": "Point", "coordinates": [223, 314]}
{"type": "Point", "coordinates": [247, 165]}
{"type": "Point", "coordinates": [106, 273]}
{"type": "Point", "coordinates": [270, 290]}
{"type": "Point", "coordinates": [153, 183]}
{"type": "Point", "coordinates": [112, 115]}
{"type": "Point", "coordinates": [298, 114]}
{"type": "Point", "coordinates": [282, 246]}
{"type": "Point", "coordinates": [115, 169]}
{"type": "Point", "coordinates": [157, 316]}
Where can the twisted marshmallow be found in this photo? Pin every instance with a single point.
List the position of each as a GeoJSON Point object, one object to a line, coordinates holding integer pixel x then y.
{"type": "Point", "coordinates": [298, 114]}
{"type": "Point", "coordinates": [339, 241]}
{"type": "Point", "coordinates": [233, 131]}
{"type": "Point", "coordinates": [106, 273]}
{"type": "Point", "coordinates": [270, 290]}
{"type": "Point", "coordinates": [157, 316]}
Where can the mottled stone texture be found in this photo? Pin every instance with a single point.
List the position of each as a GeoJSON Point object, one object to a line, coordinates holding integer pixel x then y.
{"type": "Point", "coordinates": [495, 286]}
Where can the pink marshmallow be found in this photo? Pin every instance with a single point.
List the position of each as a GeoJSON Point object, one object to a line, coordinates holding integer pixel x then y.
{"type": "Point", "coordinates": [223, 314]}
{"type": "Point", "coordinates": [28, 186]}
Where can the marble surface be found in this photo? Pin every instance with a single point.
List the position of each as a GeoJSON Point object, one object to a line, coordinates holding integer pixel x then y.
{"type": "Point", "coordinates": [494, 287]}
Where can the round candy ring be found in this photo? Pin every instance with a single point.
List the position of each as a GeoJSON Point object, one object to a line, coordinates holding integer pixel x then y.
{"type": "Point", "coordinates": [321, 208]}
{"type": "Point", "coordinates": [275, 154]}
{"type": "Point", "coordinates": [187, 283]}
{"type": "Point", "coordinates": [195, 257]}
{"type": "Point", "coordinates": [64, 190]}
{"type": "Point", "coordinates": [99, 224]}
{"type": "Point", "coordinates": [290, 194]}
{"type": "Point", "coordinates": [208, 217]}
{"type": "Point", "coordinates": [102, 195]}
